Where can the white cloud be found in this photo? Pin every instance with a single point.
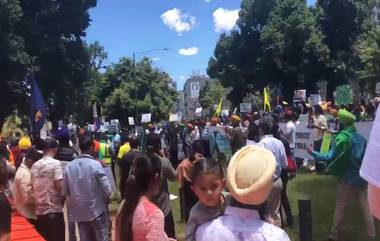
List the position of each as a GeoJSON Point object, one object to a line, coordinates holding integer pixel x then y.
{"type": "Point", "coordinates": [182, 77]}
{"type": "Point", "coordinates": [178, 21]}
{"type": "Point", "coordinates": [188, 51]}
{"type": "Point", "coordinates": [207, 1]}
{"type": "Point", "coordinates": [155, 59]}
{"type": "Point", "coordinates": [224, 19]}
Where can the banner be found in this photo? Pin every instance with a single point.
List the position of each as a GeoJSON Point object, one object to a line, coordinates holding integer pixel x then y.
{"type": "Point", "coordinates": [194, 91]}
{"type": "Point", "coordinates": [37, 107]}
{"type": "Point", "coordinates": [344, 95]}
{"type": "Point", "coordinates": [245, 107]}
{"type": "Point", "coordinates": [145, 118]}
{"type": "Point", "coordinates": [267, 106]}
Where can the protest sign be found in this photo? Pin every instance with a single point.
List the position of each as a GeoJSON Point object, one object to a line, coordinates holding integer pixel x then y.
{"type": "Point", "coordinates": [315, 99]}
{"type": "Point", "coordinates": [198, 111]}
{"type": "Point", "coordinates": [344, 95]}
{"type": "Point", "coordinates": [173, 118]}
{"type": "Point", "coordinates": [304, 138]}
{"type": "Point", "coordinates": [326, 143]}
{"type": "Point", "coordinates": [131, 121]}
{"type": "Point", "coordinates": [245, 107]}
{"type": "Point", "coordinates": [299, 96]}
{"type": "Point", "coordinates": [145, 118]}
{"type": "Point", "coordinates": [378, 88]}
{"type": "Point", "coordinates": [225, 112]}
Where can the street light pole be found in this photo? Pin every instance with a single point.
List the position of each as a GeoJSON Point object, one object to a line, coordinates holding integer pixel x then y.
{"type": "Point", "coordinates": [134, 74]}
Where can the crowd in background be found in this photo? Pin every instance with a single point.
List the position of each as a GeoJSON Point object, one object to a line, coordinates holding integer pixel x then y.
{"type": "Point", "coordinates": [232, 173]}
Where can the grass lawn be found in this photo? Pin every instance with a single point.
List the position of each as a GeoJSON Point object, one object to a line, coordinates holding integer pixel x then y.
{"type": "Point", "coordinates": [321, 190]}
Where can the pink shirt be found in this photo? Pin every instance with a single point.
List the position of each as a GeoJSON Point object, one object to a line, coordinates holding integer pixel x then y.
{"type": "Point", "coordinates": [148, 222]}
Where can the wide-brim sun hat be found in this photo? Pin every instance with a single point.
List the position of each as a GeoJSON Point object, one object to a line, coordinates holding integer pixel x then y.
{"type": "Point", "coordinates": [250, 175]}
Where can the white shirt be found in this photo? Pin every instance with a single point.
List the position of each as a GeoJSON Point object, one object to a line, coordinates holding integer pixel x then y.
{"type": "Point", "coordinates": [321, 123]}
{"type": "Point", "coordinates": [278, 150]}
{"type": "Point", "coordinates": [240, 224]}
{"type": "Point", "coordinates": [23, 192]}
{"type": "Point", "coordinates": [370, 169]}
{"type": "Point", "coordinates": [291, 133]}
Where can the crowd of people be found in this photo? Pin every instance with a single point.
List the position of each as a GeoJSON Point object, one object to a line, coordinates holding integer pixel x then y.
{"type": "Point", "coordinates": [232, 174]}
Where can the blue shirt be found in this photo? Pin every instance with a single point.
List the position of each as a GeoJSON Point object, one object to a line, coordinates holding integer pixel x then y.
{"type": "Point", "coordinates": [278, 150]}
{"type": "Point", "coordinates": [88, 189]}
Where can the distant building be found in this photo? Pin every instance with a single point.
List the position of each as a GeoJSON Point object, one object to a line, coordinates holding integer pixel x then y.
{"type": "Point", "coordinates": [180, 103]}
{"type": "Point", "coordinates": [191, 90]}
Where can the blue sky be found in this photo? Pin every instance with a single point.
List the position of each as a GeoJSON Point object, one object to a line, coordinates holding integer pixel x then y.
{"type": "Point", "coordinates": [190, 28]}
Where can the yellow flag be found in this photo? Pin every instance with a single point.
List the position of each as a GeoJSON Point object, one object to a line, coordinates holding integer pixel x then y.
{"type": "Point", "coordinates": [266, 100]}
{"type": "Point", "coordinates": [219, 108]}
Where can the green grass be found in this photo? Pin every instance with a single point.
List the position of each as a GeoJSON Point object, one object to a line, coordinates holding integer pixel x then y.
{"type": "Point", "coordinates": [321, 190]}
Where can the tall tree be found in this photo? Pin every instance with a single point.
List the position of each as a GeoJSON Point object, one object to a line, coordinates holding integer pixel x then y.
{"type": "Point", "coordinates": [211, 94]}
{"type": "Point", "coordinates": [293, 49]}
{"type": "Point", "coordinates": [150, 86]}
{"type": "Point", "coordinates": [342, 22]}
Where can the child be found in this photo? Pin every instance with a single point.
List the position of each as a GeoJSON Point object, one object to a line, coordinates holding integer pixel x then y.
{"type": "Point", "coordinates": [139, 219]}
{"type": "Point", "coordinates": [208, 182]}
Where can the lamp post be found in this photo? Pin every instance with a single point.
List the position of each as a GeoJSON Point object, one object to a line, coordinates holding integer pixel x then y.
{"type": "Point", "coordinates": [134, 71]}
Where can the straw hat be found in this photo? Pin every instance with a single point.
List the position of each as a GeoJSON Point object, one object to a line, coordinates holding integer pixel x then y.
{"type": "Point", "coordinates": [235, 119]}
{"type": "Point", "coordinates": [250, 175]}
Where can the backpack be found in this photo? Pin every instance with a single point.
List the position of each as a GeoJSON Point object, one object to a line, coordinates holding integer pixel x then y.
{"type": "Point", "coordinates": [358, 147]}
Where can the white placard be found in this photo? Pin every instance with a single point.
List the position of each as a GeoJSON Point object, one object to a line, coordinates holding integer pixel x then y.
{"type": "Point", "coordinates": [378, 88]}
{"type": "Point", "coordinates": [114, 122]}
{"type": "Point", "coordinates": [145, 118]}
{"type": "Point", "coordinates": [131, 121]}
{"type": "Point", "coordinates": [315, 99]}
{"type": "Point", "coordinates": [245, 107]}
{"type": "Point", "coordinates": [173, 118]}
{"type": "Point", "coordinates": [198, 111]}
{"type": "Point", "coordinates": [299, 96]}
{"type": "Point", "coordinates": [304, 138]}
{"type": "Point", "coordinates": [225, 112]}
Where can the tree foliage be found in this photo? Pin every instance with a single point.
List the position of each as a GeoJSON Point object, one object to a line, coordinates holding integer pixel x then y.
{"type": "Point", "coordinates": [288, 42]}
{"type": "Point", "coordinates": [211, 94]}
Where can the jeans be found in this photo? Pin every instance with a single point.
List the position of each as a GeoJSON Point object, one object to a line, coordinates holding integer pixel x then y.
{"type": "Point", "coordinates": [71, 226]}
{"type": "Point", "coordinates": [52, 226]}
{"type": "Point", "coordinates": [95, 230]}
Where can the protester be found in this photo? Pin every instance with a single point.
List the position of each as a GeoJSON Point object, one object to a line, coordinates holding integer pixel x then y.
{"type": "Point", "coordinates": [65, 154]}
{"type": "Point", "coordinates": [320, 125]}
{"type": "Point", "coordinates": [88, 191]}
{"type": "Point", "coordinates": [125, 146]}
{"type": "Point", "coordinates": [47, 186]}
{"type": "Point", "coordinates": [266, 130]}
{"type": "Point", "coordinates": [24, 144]}
{"type": "Point", "coordinates": [140, 219]}
{"type": "Point", "coordinates": [5, 206]}
{"type": "Point", "coordinates": [208, 182]}
{"type": "Point", "coordinates": [370, 169]}
{"type": "Point", "coordinates": [290, 131]}
{"type": "Point", "coordinates": [183, 172]}
{"type": "Point", "coordinates": [162, 200]}
{"type": "Point", "coordinates": [172, 140]}
{"type": "Point", "coordinates": [237, 135]}
{"type": "Point", "coordinates": [105, 150]}
{"type": "Point", "coordinates": [344, 161]}
{"type": "Point", "coordinates": [23, 190]}
{"type": "Point", "coordinates": [126, 161]}
{"type": "Point", "coordinates": [250, 178]}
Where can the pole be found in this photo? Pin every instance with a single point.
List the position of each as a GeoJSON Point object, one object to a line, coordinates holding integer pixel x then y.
{"type": "Point", "coordinates": [135, 80]}
{"type": "Point", "coordinates": [305, 219]}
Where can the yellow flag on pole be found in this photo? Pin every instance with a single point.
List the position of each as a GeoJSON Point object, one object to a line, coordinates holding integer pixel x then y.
{"type": "Point", "coordinates": [219, 108]}
{"type": "Point", "coordinates": [267, 106]}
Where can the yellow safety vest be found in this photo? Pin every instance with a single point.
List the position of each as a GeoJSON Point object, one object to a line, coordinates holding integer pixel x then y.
{"type": "Point", "coordinates": [104, 151]}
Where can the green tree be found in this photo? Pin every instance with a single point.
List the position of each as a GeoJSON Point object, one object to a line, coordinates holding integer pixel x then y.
{"type": "Point", "coordinates": [211, 94]}
{"type": "Point", "coordinates": [342, 22]}
{"type": "Point", "coordinates": [151, 86]}
{"type": "Point", "coordinates": [14, 59]}
{"type": "Point", "coordinates": [368, 50]}
{"type": "Point", "coordinates": [293, 49]}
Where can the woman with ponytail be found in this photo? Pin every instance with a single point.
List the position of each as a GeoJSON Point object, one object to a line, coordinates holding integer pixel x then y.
{"type": "Point", "coordinates": [139, 219]}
